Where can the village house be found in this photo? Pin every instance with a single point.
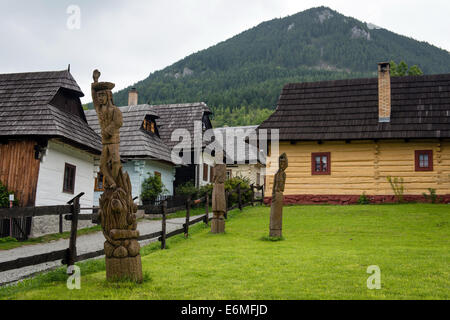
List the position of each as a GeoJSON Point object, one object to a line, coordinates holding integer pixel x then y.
{"type": "Point", "coordinates": [141, 149]}
{"type": "Point", "coordinates": [242, 162]}
{"type": "Point", "coordinates": [194, 118]}
{"type": "Point", "coordinates": [344, 138]}
{"type": "Point", "coordinates": [47, 149]}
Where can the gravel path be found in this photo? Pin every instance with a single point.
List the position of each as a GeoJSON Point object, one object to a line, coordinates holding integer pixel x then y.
{"type": "Point", "coordinates": [85, 244]}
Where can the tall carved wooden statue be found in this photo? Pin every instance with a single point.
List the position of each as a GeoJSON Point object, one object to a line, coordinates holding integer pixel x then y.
{"type": "Point", "coordinates": [276, 210]}
{"type": "Point", "coordinates": [117, 209]}
{"type": "Point", "coordinates": [218, 199]}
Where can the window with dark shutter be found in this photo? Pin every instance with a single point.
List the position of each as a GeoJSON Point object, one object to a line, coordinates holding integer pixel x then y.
{"type": "Point", "coordinates": [321, 163]}
{"type": "Point", "coordinates": [424, 160]}
{"type": "Point", "coordinates": [69, 178]}
{"type": "Point", "coordinates": [211, 174]}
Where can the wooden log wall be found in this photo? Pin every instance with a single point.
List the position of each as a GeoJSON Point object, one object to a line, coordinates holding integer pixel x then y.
{"type": "Point", "coordinates": [19, 170]}
{"type": "Point", "coordinates": [362, 166]}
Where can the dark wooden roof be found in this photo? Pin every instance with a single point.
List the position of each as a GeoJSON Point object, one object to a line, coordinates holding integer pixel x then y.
{"type": "Point", "coordinates": [179, 116]}
{"type": "Point", "coordinates": [25, 109]}
{"type": "Point", "coordinates": [135, 142]}
{"type": "Point", "coordinates": [348, 110]}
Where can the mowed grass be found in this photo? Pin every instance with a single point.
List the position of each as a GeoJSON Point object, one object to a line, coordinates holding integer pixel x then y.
{"type": "Point", "coordinates": [324, 255]}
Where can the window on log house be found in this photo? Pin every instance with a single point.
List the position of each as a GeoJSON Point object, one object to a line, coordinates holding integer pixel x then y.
{"type": "Point", "coordinates": [211, 174]}
{"type": "Point", "coordinates": [321, 163]}
{"type": "Point", "coordinates": [424, 160]}
{"type": "Point", "coordinates": [69, 178]}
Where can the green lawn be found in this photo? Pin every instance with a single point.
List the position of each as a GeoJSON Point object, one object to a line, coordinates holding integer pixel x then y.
{"type": "Point", "coordinates": [325, 255]}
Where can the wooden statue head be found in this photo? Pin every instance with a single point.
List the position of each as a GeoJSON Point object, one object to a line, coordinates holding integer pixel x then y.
{"type": "Point", "coordinates": [283, 162]}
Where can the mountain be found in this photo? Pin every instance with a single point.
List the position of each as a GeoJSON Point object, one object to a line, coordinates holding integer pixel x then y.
{"type": "Point", "coordinates": [241, 78]}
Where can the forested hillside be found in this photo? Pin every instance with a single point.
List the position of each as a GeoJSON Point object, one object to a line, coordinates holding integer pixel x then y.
{"type": "Point", "coordinates": [244, 75]}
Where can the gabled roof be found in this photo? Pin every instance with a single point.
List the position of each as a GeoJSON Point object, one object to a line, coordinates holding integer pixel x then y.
{"type": "Point", "coordinates": [179, 116]}
{"type": "Point", "coordinates": [348, 109]}
{"type": "Point", "coordinates": [25, 109]}
{"type": "Point", "coordinates": [241, 149]}
{"type": "Point", "coordinates": [135, 142]}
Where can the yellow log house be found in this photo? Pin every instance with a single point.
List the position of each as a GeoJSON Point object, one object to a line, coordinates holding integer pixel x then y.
{"type": "Point", "coordinates": [344, 138]}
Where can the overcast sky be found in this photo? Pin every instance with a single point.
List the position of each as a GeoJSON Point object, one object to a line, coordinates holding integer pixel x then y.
{"type": "Point", "coordinates": [127, 40]}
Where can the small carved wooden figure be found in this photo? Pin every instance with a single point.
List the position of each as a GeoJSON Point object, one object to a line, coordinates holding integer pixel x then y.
{"type": "Point", "coordinates": [117, 208]}
{"type": "Point", "coordinates": [219, 204]}
{"type": "Point", "coordinates": [276, 210]}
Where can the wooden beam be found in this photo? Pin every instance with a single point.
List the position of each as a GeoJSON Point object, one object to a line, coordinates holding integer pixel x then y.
{"type": "Point", "coordinates": [34, 211]}
{"type": "Point", "coordinates": [32, 260]}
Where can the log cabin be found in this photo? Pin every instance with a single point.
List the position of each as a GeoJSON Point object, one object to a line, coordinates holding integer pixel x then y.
{"type": "Point", "coordinates": [47, 149]}
{"type": "Point", "coordinates": [345, 138]}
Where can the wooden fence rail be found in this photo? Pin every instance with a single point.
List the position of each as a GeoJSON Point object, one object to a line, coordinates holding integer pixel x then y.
{"type": "Point", "coordinates": [71, 212]}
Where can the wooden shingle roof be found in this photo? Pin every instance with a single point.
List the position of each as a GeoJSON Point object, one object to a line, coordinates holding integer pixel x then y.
{"type": "Point", "coordinates": [348, 110]}
{"type": "Point", "coordinates": [179, 116]}
{"type": "Point", "coordinates": [135, 142]}
{"type": "Point", "coordinates": [25, 109]}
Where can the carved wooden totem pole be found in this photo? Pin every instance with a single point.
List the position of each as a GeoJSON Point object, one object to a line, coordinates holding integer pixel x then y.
{"type": "Point", "coordinates": [276, 210]}
{"type": "Point", "coordinates": [218, 199]}
{"type": "Point", "coordinates": [117, 209]}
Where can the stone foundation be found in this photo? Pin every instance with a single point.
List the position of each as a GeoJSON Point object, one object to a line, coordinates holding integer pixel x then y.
{"type": "Point", "coordinates": [350, 199]}
{"type": "Point", "coordinates": [44, 225]}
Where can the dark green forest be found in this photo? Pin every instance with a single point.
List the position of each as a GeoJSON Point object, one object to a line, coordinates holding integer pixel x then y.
{"type": "Point", "coordinates": [241, 78]}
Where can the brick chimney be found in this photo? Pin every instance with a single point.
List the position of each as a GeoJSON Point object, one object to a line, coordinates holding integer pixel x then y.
{"type": "Point", "coordinates": [384, 92]}
{"type": "Point", "coordinates": [133, 97]}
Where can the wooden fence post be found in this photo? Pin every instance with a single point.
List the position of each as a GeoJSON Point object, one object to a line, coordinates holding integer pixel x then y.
{"type": "Point", "coordinates": [239, 196]}
{"type": "Point", "coordinates": [61, 226]}
{"type": "Point", "coordinates": [164, 216]}
{"type": "Point", "coordinates": [188, 215]}
{"type": "Point", "coordinates": [72, 251]}
{"type": "Point", "coordinates": [206, 220]}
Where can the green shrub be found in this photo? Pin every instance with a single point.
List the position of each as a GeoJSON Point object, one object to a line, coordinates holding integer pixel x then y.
{"type": "Point", "coordinates": [246, 192]}
{"type": "Point", "coordinates": [364, 199]}
{"type": "Point", "coordinates": [187, 189]}
{"type": "Point", "coordinates": [152, 187]}
{"type": "Point", "coordinates": [397, 187]}
{"type": "Point", "coordinates": [4, 197]}
{"type": "Point", "coordinates": [432, 197]}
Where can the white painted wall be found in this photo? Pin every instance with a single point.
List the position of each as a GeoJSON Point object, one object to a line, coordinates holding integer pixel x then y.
{"type": "Point", "coordinates": [139, 170]}
{"type": "Point", "coordinates": [50, 184]}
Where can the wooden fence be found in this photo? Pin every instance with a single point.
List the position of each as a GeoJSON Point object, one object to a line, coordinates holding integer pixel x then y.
{"type": "Point", "coordinates": [71, 212]}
